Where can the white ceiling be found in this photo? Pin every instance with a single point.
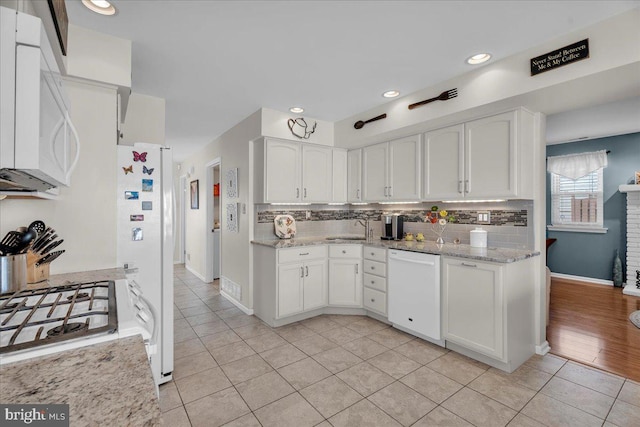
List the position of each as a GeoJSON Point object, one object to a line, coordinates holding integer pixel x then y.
{"type": "Point", "coordinates": [216, 62]}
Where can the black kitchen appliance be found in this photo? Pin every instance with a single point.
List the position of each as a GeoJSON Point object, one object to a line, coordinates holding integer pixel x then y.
{"type": "Point", "coordinates": [392, 227]}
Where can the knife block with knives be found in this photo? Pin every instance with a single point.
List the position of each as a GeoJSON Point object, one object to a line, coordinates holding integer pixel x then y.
{"type": "Point", "coordinates": [39, 256]}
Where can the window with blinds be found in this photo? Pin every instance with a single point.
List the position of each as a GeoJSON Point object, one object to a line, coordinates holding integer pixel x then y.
{"type": "Point", "coordinates": [577, 202]}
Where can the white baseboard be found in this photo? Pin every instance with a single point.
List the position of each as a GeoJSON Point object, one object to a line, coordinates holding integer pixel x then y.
{"type": "Point", "coordinates": [582, 279]}
{"type": "Point", "coordinates": [238, 304]}
{"type": "Point", "coordinates": [195, 273]}
{"type": "Point", "coordinates": [543, 348]}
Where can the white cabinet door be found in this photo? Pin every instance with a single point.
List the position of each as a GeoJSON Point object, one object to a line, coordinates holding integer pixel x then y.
{"type": "Point", "coordinates": [316, 173]}
{"type": "Point", "coordinates": [405, 169]}
{"type": "Point", "coordinates": [490, 156]}
{"type": "Point", "coordinates": [282, 172]}
{"type": "Point", "coordinates": [345, 282]}
{"type": "Point", "coordinates": [473, 305]}
{"type": "Point", "coordinates": [354, 171]}
{"type": "Point", "coordinates": [375, 160]}
{"type": "Point", "coordinates": [315, 284]}
{"type": "Point", "coordinates": [290, 289]}
{"type": "Point", "coordinates": [339, 176]}
{"type": "Point", "coordinates": [443, 162]}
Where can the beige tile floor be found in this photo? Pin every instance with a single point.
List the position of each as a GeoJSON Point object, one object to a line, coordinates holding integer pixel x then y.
{"type": "Point", "coordinates": [231, 369]}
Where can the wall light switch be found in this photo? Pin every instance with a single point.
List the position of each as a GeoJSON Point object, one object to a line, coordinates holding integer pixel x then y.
{"type": "Point", "coordinates": [244, 208]}
{"type": "Point", "coordinates": [484, 217]}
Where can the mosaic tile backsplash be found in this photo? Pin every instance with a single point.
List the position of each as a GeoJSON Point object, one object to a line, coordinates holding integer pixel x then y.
{"type": "Point", "coordinates": [510, 226]}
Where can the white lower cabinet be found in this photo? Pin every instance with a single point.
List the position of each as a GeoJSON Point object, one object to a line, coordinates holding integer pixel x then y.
{"type": "Point", "coordinates": [301, 287]}
{"type": "Point", "coordinates": [488, 309]}
{"type": "Point", "coordinates": [345, 275]}
{"type": "Point", "coordinates": [473, 305]}
{"type": "Point", "coordinates": [375, 280]}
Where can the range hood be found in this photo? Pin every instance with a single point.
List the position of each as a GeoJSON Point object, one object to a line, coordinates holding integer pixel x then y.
{"type": "Point", "coordinates": [17, 181]}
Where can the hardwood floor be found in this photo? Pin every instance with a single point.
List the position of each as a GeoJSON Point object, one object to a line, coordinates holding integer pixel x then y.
{"type": "Point", "coordinates": [590, 324]}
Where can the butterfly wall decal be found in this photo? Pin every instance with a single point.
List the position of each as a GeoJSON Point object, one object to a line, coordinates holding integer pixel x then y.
{"type": "Point", "coordinates": [139, 157]}
{"type": "Point", "coordinates": [128, 170]}
{"type": "Point", "coordinates": [147, 170]}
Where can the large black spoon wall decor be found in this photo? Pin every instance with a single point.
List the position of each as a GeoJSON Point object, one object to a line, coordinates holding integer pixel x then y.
{"type": "Point", "coordinates": [360, 124]}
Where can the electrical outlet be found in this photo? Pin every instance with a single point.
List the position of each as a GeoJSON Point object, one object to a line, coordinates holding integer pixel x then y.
{"type": "Point", "coordinates": [484, 217]}
{"type": "Point", "coordinates": [189, 257]}
{"type": "Point", "coordinates": [307, 214]}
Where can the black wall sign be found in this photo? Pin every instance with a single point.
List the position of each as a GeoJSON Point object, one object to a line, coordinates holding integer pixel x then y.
{"type": "Point", "coordinates": [559, 57]}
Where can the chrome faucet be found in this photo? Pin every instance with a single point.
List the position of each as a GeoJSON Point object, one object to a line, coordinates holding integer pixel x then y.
{"type": "Point", "coordinates": [367, 231]}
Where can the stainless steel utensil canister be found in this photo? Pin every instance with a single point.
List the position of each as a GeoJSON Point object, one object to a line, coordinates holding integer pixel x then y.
{"type": "Point", "coordinates": [13, 273]}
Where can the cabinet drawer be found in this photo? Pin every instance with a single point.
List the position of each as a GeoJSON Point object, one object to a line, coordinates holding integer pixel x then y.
{"type": "Point", "coordinates": [375, 282]}
{"type": "Point", "coordinates": [375, 254]}
{"type": "Point", "coordinates": [345, 251]}
{"type": "Point", "coordinates": [302, 253]}
{"type": "Point", "coordinates": [375, 267]}
{"type": "Point", "coordinates": [375, 300]}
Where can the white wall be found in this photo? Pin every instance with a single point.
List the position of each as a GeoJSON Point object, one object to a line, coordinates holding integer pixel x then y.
{"type": "Point", "coordinates": [613, 118]}
{"type": "Point", "coordinates": [85, 214]}
{"type": "Point", "coordinates": [610, 73]}
{"type": "Point", "coordinates": [275, 125]}
{"type": "Point", "coordinates": [145, 120]}
{"type": "Point", "coordinates": [97, 56]}
{"type": "Point", "coordinates": [196, 219]}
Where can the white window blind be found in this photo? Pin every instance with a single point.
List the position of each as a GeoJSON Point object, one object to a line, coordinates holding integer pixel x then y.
{"type": "Point", "coordinates": [577, 190]}
{"type": "Point", "coordinates": [577, 202]}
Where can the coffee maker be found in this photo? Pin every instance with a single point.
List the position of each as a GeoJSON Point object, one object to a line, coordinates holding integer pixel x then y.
{"type": "Point", "coordinates": [392, 227]}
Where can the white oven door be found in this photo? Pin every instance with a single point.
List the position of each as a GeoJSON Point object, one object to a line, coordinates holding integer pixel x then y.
{"type": "Point", "coordinates": [46, 141]}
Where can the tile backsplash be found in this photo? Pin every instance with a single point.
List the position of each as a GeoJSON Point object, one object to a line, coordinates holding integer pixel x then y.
{"type": "Point", "coordinates": [510, 225]}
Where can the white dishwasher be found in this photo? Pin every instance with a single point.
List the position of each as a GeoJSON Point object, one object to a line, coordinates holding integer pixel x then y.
{"type": "Point", "coordinates": [414, 293]}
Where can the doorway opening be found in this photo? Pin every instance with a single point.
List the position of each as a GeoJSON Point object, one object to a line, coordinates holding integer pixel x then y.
{"type": "Point", "coordinates": [213, 254]}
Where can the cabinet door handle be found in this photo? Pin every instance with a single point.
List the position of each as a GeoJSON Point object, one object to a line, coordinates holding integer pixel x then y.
{"type": "Point", "coordinates": [460, 187]}
{"type": "Point", "coordinates": [373, 282]}
{"type": "Point", "coordinates": [304, 253]}
{"type": "Point", "coordinates": [305, 192]}
{"type": "Point", "coordinates": [297, 193]}
{"type": "Point", "coordinates": [373, 268]}
{"type": "Point", "coordinates": [466, 186]}
{"type": "Point", "coordinates": [469, 265]}
{"type": "Point", "coordinates": [373, 300]}
{"type": "Point", "coordinates": [307, 269]}
{"type": "Point", "coordinates": [358, 194]}
{"type": "Point", "coordinates": [344, 252]}
{"type": "Point", "coordinates": [356, 268]}
{"type": "Point", "coordinates": [373, 253]}
{"type": "Point", "coordinates": [390, 193]}
{"type": "Point", "coordinates": [301, 271]}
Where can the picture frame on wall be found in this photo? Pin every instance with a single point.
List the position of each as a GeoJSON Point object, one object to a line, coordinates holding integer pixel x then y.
{"type": "Point", "coordinates": [637, 177]}
{"type": "Point", "coordinates": [195, 191]}
{"type": "Point", "coordinates": [232, 183]}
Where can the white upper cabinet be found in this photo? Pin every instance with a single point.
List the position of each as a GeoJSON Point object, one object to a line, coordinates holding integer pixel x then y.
{"type": "Point", "coordinates": [404, 169]}
{"type": "Point", "coordinates": [354, 175]}
{"type": "Point", "coordinates": [491, 156]}
{"type": "Point", "coordinates": [375, 171]}
{"type": "Point", "coordinates": [282, 178]}
{"type": "Point", "coordinates": [290, 172]}
{"type": "Point", "coordinates": [317, 171]}
{"type": "Point", "coordinates": [340, 176]}
{"type": "Point", "coordinates": [391, 170]}
{"type": "Point", "coordinates": [444, 163]}
{"type": "Point", "coordinates": [486, 158]}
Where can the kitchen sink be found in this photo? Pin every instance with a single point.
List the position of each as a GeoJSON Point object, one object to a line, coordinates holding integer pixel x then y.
{"type": "Point", "coordinates": [345, 238]}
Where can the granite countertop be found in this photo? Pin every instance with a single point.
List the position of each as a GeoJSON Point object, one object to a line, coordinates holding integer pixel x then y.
{"type": "Point", "coordinates": [106, 384]}
{"type": "Point", "coordinates": [80, 276]}
{"type": "Point", "coordinates": [501, 255]}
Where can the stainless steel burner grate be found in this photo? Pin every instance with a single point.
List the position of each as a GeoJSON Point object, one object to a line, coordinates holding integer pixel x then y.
{"type": "Point", "coordinates": [62, 312]}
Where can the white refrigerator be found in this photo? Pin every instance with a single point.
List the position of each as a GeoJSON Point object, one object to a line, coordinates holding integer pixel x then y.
{"type": "Point", "coordinates": [145, 238]}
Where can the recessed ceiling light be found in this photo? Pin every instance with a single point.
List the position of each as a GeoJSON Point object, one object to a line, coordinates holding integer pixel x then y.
{"type": "Point", "coordinates": [296, 110]}
{"type": "Point", "coordinates": [102, 7]}
{"type": "Point", "coordinates": [391, 94]}
{"type": "Point", "coordinates": [479, 58]}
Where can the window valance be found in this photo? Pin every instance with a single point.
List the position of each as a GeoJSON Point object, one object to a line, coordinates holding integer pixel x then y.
{"type": "Point", "coordinates": [575, 166]}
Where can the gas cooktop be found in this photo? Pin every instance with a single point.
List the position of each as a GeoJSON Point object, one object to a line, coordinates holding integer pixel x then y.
{"type": "Point", "coordinates": [39, 317]}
